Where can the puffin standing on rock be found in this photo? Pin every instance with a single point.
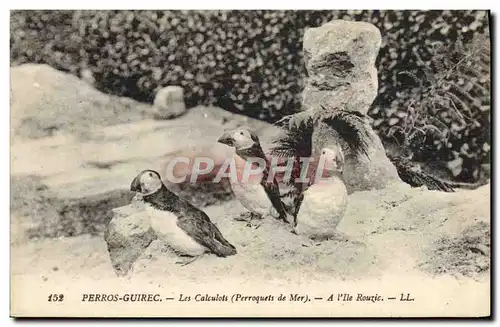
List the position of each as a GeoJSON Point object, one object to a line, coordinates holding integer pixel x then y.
{"type": "Point", "coordinates": [260, 196]}
{"type": "Point", "coordinates": [185, 228]}
{"type": "Point", "coordinates": [321, 207]}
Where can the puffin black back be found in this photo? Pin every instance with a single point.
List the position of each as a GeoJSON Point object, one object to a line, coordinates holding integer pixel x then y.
{"type": "Point", "coordinates": [184, 227]}
{"type": "Point", "coordinates": [164, 199]}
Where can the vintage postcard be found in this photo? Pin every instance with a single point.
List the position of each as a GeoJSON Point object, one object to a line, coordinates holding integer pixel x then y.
{"type": "Point", "coordinates": [257, 163]}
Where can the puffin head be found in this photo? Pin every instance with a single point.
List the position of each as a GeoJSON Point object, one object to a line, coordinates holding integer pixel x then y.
{"type": "Point", "coordinates": [333, 159]}
{"type": "Point", "coordinates": [240, 138]}
{"type": "Point", "coordinates": [146, 182]}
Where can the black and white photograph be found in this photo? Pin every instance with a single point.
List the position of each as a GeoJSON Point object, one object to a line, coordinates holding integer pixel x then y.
{"type": "Point", "coordinates": [250, 163]}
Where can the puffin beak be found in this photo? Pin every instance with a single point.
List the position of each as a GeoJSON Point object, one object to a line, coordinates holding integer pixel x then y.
{"type": "Point", "coordinates": [227, 139]}
{"type": "Point", "coordinates": [136, 185]}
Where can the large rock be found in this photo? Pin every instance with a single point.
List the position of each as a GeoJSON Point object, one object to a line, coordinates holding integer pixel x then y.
{"type": "Point", "coordinates": [47, 102]}
{"type": "Point", "coordinates": [128, 235]}
{"type": "Point", "coordinates": [340, 61]}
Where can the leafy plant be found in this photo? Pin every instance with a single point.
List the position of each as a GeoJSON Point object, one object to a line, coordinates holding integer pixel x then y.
{"type": "Point", "coordinates": [449, 104]}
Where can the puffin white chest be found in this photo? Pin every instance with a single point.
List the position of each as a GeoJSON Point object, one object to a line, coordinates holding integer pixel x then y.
{"type": "Point", "coordinates": [252, 196]}
{"type": "Point", "coordinates": [164, 223]}
{"type": "Point", "coordinates": [322, 208]}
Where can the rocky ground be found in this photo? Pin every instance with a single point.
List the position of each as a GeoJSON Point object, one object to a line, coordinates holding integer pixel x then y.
{"type": "Point", "coordinates": [68, 172]}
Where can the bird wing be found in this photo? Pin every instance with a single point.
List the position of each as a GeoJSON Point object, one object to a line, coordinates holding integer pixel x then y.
{"type": "Point", "coordinates": [296, 143]}
{"type": "Point", "coordinates": [273, 193]}
{"type": "Point", "coordinates": [197, 225]}
{"type": "Point", "coordinates": [298, 203]}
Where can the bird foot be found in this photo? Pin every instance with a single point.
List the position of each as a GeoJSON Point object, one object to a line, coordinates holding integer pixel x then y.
{"type": "Point", "coordinates": [186, 262]}
{"type": "Point", "coordinates": [252, 220]}
{"type": "Point", "coordinates": [255, 221]}
{"type": "Point", "coordinates": [253, 224]}
{"type": "Point", "coordinates": [245, 216]}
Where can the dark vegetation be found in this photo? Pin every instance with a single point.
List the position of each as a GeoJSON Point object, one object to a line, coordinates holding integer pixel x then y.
{"type": "Point", "coordinates": [433, 66]}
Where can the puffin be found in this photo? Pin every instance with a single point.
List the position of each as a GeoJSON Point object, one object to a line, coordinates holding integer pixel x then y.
{"type": "Point", "coordinates": [321, 207]}
{"type": "Point", "coordinates": [185, 228]}
{"type": "Point", "coordinates": [259, 195]}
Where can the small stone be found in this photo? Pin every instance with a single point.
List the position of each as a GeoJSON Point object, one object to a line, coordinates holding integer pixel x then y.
{"type": "Point", "coordinates": [87, 76]}
{"type": "Point", "coordinates": [169, 102]}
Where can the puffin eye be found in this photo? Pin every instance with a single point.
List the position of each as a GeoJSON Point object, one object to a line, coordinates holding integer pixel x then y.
{"type": "Point", "coordinates": [324, 152]}
{"type": "Point", "coordinates": [241, 133]}
{"type": "Point", "coordinates": [150, 174]}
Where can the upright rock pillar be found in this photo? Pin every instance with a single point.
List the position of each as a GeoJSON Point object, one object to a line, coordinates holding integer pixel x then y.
{"type": "Point", "coordinates": [340, 61]}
